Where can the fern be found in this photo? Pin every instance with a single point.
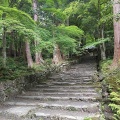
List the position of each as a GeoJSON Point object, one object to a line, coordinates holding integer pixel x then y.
{"type": "Point", "coordinates": [114, 94]}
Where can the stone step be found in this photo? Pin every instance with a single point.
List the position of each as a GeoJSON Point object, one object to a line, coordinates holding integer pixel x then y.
{"type": "Point", "coordinates": [71, 74]}
{"type": "Point", "coordinates": [46, 98]}
{"type": "Point", "coordinates": [86, 72]}
{"type": "Point", "coordinates": [3, 108]}
{"type": "Point", "coordinates": [67, 79]}
{"type": "Point", "coordinates": [70, 86]}
{"type": "Point", "coordinates": [67, 83]}
{"type": "Point", "coordinates": [81, 71]}
{"type": "Point", "coordinates": [82, 66]}
{"type": "Point", "coordinates": [19, 111]}
{"type": "Point", "coordinates": [72, 82]}
{"type": "Point", "coordinates": [64, 115]}
{"type": "Point", "coordinates": [70, 77]}
{"type": "Point", "coordinates": [61, 93]}
{"type": "Point", "coordinates": [8, 117]}
{"type": "Point", "coordinates": [67, 94]}
{"type": "Point", "coordinates": [60, 104]}
{"type": "Point", "coordinates": [62, 82]}
{"type": "Point", "coordinates": [63, 90]}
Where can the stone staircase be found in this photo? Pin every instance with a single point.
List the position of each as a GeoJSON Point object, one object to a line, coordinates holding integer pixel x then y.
{"type": "Point", "coordinates": [70, 95]}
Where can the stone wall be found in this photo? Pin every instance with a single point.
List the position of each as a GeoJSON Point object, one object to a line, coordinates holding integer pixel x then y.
{"type": "Point", "coordinates": [11, 88]}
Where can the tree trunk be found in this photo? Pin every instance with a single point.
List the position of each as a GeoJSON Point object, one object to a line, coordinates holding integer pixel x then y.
{"type": "Point", "coordinates": [41, 58]}
{"type": "Point", "coordinates": [28, 54]}
{"type": "Point", "coordinates": [35, 10]}
{"type": "Point", "coordinates": [4, 47]}
{"type": "Point", "coordinates": [101, 34]}
{"type": "Point", "coordinates": [102, 46]}
{"type": "Point", "coordinates": [38, 55]}
{"type": "Point", "coordinates": [57, 58]}
{"type": "Point", "coordinates": [116, 10]}
{"type": "Point", "coordinates": [102, 50]}
{"type": "Point", "coordinates": [68, 22]}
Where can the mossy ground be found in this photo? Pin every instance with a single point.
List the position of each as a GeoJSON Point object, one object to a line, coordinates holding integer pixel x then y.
{"type": "Point", "coordinates": [112, 80]}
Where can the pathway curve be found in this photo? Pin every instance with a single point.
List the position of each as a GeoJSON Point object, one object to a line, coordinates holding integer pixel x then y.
{"type": "Point", "coordinates": [70, 95]}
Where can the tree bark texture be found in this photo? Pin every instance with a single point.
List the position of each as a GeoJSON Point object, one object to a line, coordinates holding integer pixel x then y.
{"type": "Point", "coordinates": [102, 46]}
{"type": "Point", "coordinates": [35, 10]}
{"type": "Point", "coordinates": [38, 55]}
{"type": "Point", "coordinates": [4, 47]}
{"type": "Point", "coordinates": [101, 34]}
{"type": "Point", "coordinates": [57, 58]}
{"type": "Point", "coordinates": [116, 10]}
{"type": "Point", "coordinates": [28, 54]}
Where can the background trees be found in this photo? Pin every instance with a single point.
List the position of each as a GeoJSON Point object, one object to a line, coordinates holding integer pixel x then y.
{"type": "Point", "coordinates": [15, 20]}
{"type": "Point", "coordinates": [55, 29]}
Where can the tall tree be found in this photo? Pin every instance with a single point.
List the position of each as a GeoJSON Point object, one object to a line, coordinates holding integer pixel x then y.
{"type": "Point", "coordinates": [101, 33]}
{"type": "Point", "coordinates": [28, 54]}
{"type": "Point", "coordinates": [116, 10]}
{"type": "Point", "coordinates": [38, 54]}
{"type": "Point", "coordinates": [4, 41]}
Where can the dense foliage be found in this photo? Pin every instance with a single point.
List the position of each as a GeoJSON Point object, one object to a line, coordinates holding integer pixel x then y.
{"type": "Point", "coordinates": [112, 80]}
{"type": "Point", "coordinates": [75, 26]}
{"type": "Point", "coordinates": [32, 29]}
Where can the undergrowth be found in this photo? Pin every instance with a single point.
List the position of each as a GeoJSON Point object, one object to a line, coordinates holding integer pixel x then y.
{"type": "Point", "coordinates": [112, 78]}
{"type": "Point", "coordinates": [17, 67]}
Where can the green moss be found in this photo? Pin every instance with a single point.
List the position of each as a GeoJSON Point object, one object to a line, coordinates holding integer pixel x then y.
{"type": "Point", "coordinates": [87, 119]}
{"type": "Point", "coordinates": [104, 65]}
{"type": "Point", "coordinates": [71, 108]}
{"type": "Point", "coordinates": [112, 79]}
{"type": "Point", "coordinates": [92, 118]}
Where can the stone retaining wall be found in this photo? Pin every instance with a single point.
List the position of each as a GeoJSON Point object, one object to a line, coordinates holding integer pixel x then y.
{"type": "Point", "coordinates": [11, 88]}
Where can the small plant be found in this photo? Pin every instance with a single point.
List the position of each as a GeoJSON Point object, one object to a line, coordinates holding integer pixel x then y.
{"type": "Point", "coordinates": [71, 108]}
{"type": "Point", "coordinates": [88, 118]}
{"type": "Point", "coordinates": [41, 119]}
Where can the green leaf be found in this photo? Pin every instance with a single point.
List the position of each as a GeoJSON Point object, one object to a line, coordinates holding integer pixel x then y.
{"type": "Point", "coordinates": [93, 44]}
{"type": "Point", "coordinates": [72, 31]}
